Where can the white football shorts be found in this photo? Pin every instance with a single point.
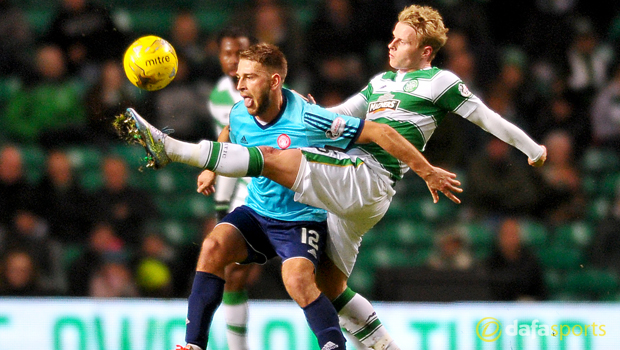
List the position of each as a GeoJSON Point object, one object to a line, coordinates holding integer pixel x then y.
{"type": "Point", "coordinates": [355, 196]}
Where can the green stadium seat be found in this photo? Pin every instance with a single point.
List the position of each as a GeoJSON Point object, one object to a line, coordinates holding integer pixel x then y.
{"type": "Point", "coordinates": [175, 178]}
{"type": "Point", "coordinates": [40, 20]}
{"type": "Point", "coordinates": [442, 211]}
{"type": "Point", "coordinates": [479, 235]}
{"type": "Point", "coordinates": [534, 233]}
{"type": "Point", "coordinates": [408, 233]}
{"type": "Point", "coordinates": [575, 235]}
{"type": "Point", "coordinates": [611, 185]}
{"type": "Point", "coordinates": [362, 280]}
{"type": "Point", "coordinates": [594, 283]}
{"type": "Point", "coordinates": [385, 256]}
{"type": "Point", "coordinates": [85, 158]}
{"type": "Point", "coordinates": [599, 161]}
{"type": "Point", "coordinates": [560, 258]}
{"type": "Point", "coordinates": [181, 232]}
{"type": "Point", "coordinates": [9, 85]}
{"type": "Point", "coordinates": [91, 179]}
{"type": "Point", "coordinates": [33, 160]}
{"type": "Point", "coordinates": [192, 206]}
{"type": "Point", "coordinates": [597, 208]}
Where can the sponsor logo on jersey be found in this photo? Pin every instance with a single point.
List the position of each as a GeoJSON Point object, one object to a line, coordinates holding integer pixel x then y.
{"type": "Point", "coordinates": [337, 128]}
{"type": "Point", "coordinates": [464, 90]}
{"type": "Point", "coordinates": [284, 141]}
{"type": "Point", "coordinates": [411, 85]}
{"type": "Point", "coordinates": [378, 105]}
{"type": "Point", "coordinates": [243, 140]}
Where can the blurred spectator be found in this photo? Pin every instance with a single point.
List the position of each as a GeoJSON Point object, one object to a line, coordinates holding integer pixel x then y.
{"type": "Point", "coordinates": [102, 243]}
{"type": "Point", "coordinates": [563, 196]}
{"type": "Point", "coordinates": [110, 96]}
{"type": "Point", "coordinates": [605, 114]}
{"type": "Point", "coordinates": [451, 251]}
{"type": "Point", "coordinates": [30, 233]}
{"type": "Point", "coordinates": [459, 59]}
{"type": "Point", "coordinates": [180, 106]}
{"type": "Point", "coordinates": [273, 22]}
{"type": "Point", "coordinates": [605, 249]}
{"type": "Point", "coordinates": [52, 110]}
{"type": "Point", "coordinates": [19, 275]}
{"type": "Point", "coordinates": [500, 183]}
{"type": "Point", "coordinates": [126, 207]}
{"type": "Point", "coordinates": [156, 268]}
{"type": "Point", "coordinates": [507, 92]}
{"type": "Point", "coordinates": [589, 62]}
{"type": "Point", "coordinates": [514, 270]}
{"type": "Point", "coordinates": [87, 35]}
{"type": "Point", "coordinates": [15, 192]}
{"type": "Point", "coordinates": [188, 42]}
{"type": "Point", "coordinates": [62, 202]}
{"type": "Point", "coordinates": [336, 50]}
{"type": "Point", "coordinates": [16, 41]}
{"type": "Point", "coordinates": [560, 114]}
{"type": "Point", "coordinates": [113, 279]}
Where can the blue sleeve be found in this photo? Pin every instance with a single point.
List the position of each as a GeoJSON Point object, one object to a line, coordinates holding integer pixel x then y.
{"type": "Point", "coordinates": [330, 129]}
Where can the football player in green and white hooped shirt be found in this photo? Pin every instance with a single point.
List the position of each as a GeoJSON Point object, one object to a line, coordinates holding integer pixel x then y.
{"type": "Point", "coordinates": [413, 100]}
{"type": "Point", "coordinates": [231, 192]}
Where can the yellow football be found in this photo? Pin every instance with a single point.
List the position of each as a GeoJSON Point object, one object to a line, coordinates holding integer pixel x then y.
{"type": "Point", "coordinates": [150, 63]}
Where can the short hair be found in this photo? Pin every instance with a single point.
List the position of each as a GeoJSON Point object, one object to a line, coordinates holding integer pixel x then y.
{"type": "Point", "coordinates": [235, 33]}
{"type": "Point", "coordinates": [428, 24]}
{"type": "Point", "coordinates": [268, 55]}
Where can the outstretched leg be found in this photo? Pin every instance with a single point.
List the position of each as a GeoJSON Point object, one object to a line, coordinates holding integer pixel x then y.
{"type": "Point", "coordinates": [223, 158]}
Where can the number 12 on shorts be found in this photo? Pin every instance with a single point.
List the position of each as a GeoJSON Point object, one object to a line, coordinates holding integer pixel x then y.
{"type": "Point", "coordinates": [310, 237]}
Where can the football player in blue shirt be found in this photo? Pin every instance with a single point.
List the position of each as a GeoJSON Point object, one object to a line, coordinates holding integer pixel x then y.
{"type": "Point", "coordinates": [272, 222]}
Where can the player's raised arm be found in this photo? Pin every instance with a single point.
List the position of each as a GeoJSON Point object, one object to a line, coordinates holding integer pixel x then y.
{"type": "Point", "coordinates": [437, 179]}
{"type": "Point", "coordinates": [493, 123]}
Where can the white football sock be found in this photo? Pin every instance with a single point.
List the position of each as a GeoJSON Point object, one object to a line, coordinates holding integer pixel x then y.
{"type": "Point", "coordinates": [224, 158]}
{"type": "Point", "coordinates": [359, 318]}
{"type": "Point", "coordinates": [235, 305]}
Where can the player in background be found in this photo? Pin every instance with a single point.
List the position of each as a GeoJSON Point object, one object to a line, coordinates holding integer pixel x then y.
{"type": "Point", "coordinates": [231, 192]}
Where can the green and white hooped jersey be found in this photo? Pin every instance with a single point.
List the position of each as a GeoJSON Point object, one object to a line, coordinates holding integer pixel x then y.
{"type": "Point", "coordinates": [221, 100]}
{"type": "Point", "coordinates": [413, 104]}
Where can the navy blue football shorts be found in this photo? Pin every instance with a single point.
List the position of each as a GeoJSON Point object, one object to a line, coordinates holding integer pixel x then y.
{"type": "Point", "coordinates": [265, 237]}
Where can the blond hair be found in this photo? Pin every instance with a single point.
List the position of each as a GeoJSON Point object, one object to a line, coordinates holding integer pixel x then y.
{"type": "Point", "coordinates": [428, 24]}
{"type": "Point", "coordinates": [267, 55]}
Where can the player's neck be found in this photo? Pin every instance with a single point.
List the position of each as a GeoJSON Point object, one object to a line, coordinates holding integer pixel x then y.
{"type": "Point", "coordinates": [426, 65]}
{"type": "Point", "coordinates": [274, 109]}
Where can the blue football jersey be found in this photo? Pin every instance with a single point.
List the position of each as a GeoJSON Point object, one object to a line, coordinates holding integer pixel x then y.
{"type": "Point", "coordinates": [300, 124]}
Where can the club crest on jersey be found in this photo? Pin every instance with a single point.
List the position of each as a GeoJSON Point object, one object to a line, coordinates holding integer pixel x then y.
{"type": "Point", "coordinates": [337, 128]}
{"type": "Point", "coordinates": [411, 85]}
{"type": "Point", "coordinates": [284, 141]}
{"type": "Point", "coordinates": [384, 102]}
{"type": "Point", "coordinates": [464, 90]}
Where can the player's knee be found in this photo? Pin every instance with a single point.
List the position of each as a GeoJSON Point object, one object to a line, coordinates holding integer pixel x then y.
{"type": "Point", "coordinates": [301, 288]}
{"type": "Point", "coordinates": [214, 254]}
